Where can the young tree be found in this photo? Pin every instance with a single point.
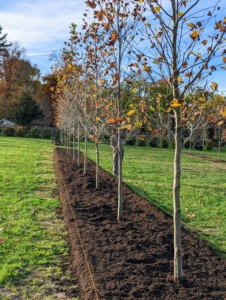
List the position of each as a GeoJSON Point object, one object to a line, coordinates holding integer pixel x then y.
{"type": "Point", "coordinates": [178, 46]}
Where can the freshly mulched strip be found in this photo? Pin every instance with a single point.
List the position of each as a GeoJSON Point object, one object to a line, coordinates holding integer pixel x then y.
{"type": "Point", "coordinates": [131, 258]}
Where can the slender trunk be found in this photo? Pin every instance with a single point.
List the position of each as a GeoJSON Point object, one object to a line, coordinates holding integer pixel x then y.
{"type": "Point", "coordinates": [73, 146]}
{"type": "Point", "coordinates": [203, 142]}
{"type": "Point", "coordinates": [69, 142]}
{"type": "Point", "coordinates": [120, 196]}
{"type": "Point", "coordinates": [190, 146]}
{"type": "Point", "coordinates": [219, 149]}
{"type": "Point", "coordinates": [78, 157]}
{"type": "Point", "coordinates": [178, 269]}
{"type": "Point", "coordinates": [85, 155]}
{"type": "Point", "coordinates": [97, 167]}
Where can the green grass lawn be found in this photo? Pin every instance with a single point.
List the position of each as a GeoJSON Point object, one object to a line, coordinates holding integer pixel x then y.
{"type": "Point", "coordinates": [149, 172]}
{"type": "Point", "coordinates": [32, 235]}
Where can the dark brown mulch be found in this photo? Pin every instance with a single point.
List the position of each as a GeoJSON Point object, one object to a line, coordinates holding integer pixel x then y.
{"type": "Point", "coordinates": [131, 258]}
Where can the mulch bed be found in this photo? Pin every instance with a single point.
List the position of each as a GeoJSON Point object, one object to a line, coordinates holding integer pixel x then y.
{"type": "Point", "coordinates": [131, 258]}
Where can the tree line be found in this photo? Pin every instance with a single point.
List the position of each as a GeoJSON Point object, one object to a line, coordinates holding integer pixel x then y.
{"type": "Point", "coordinates": [25, 96]}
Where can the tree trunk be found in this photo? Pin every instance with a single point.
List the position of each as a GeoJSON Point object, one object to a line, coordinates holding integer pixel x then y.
{"type": "Point", "coordinates": [85, 155]}
{"type": "Point", "coordinates": [120, 198]}
{"type": "Point", "coordinates": [73, 146]}
{"type": "Point", "coordinates": [178, 269]}
{"type": "Point", "coordinates": [219, 149]}
{"type": "Point", "coordinates": [97, 168]}
{"type": "Point", "coordinates": [190, 146]}
{"type": "Point", "coordinates": [78, 157]}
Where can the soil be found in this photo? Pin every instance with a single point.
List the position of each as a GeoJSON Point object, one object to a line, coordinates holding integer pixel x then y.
{"type": "Point", "coordinates": [131, 258]}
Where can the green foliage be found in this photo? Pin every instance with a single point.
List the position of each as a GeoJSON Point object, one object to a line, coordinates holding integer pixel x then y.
{"type": "Point", "coordinates": [46, 133]}
{"type": "Point", "coordinates": [187, 144]}
{"type": "Point", "coordinates": [20, 131]}
{"type": "Point", "coordinates": [154, 141]}
{"type": "Point", "coordinates": [104, 138]}
{"type": "Point", "coordinates": [142, 141]}
{"type": "Point", "coordinates": [9, 131]}
{"type": "Point", "coordinates": [209, 145]}
{"type": "Point", "coordinates": [131, 140]}
{"type": "Point", "coordinates": [35, 133]}
{"type": "Point", "coordinates": [25, 110]}
{"type": "Point", "coordinates": [165, 142]}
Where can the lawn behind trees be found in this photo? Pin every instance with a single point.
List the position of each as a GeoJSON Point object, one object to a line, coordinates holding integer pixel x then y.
{"type": "Point", "coordinates": [149, 171]}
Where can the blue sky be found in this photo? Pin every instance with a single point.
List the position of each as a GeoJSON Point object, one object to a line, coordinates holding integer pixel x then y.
{"type": "Point", "coordinates": [42, 26]}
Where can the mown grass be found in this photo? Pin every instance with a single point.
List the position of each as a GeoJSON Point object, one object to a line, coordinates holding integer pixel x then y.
{"type": "Point", "coordinates": [32, 236]}
{"type": "Point", "coordinates": [149, 172]}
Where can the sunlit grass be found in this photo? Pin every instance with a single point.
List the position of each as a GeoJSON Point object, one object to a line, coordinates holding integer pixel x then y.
{"type": "Point", "coordinates": [33, 238]}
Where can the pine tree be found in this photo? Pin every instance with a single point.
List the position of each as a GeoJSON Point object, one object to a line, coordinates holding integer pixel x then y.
{"type": "Point", "coordinates": [25, 110]}
{"type": "Point", "coordinates": [3, 41]}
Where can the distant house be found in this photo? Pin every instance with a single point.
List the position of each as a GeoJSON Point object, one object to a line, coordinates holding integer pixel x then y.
{"type": "Point", "coordinates": [5, 123]}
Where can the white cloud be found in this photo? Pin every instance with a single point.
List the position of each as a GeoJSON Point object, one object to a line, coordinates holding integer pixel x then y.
{"type": "Point", "coordinates": [40, 26]}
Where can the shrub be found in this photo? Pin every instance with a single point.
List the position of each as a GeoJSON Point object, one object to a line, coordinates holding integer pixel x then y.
{"type": "Point", "coordinates": [35, 133]}
{"type": "Point", "coordinates": [20, 131]}
{"type": "Point", "coordinates": [104, 138]}
{"type": "Point", "coordinates": [187, 144]}
{"type": "Point", "coordinates": [131, 140]}
{"type": "Point", "coordinates": [154, 142]}
{"type": "Point", "coordinates": [209, 144]}
{"type": "Point", "coordinates": [46, 133]}
{"type": "Point", "coordinates": [57, 135]}
{"type": "Point", "coordinates": [165, 143]}
{"type": "Point", "coordinates": [142, 141]}
{"type": "Point", "coordinates": [9, 131]}
{"type": "Point", "coordinates": [173, 143]}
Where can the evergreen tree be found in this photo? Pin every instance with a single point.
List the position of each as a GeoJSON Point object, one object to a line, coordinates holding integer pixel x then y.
{"type": "Point", "coordinates": [25, 110]}
{"type": "Point", "coordinates": [3, 41]}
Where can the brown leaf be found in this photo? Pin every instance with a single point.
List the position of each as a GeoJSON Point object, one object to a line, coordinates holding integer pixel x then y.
{"type": "Point", "coordinates": [191, 216]}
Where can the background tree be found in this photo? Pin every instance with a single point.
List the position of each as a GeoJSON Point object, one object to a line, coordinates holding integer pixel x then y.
{"type": "Point", "coordinates": [25, 110]}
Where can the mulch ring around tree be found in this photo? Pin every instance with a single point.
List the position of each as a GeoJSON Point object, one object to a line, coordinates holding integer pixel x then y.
{"type": "Point", "coordinates": [131, 258]}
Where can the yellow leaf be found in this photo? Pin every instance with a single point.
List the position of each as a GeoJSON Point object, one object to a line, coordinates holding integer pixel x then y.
{"type": "Point", "coordinates": [204, 42]}
{"type": "Point", "coordinates": [138, 124]}
{"type": "Point", "coordinates": [194, 34]}
{"type": "Point", "coordinates": [146, 69]}
{"type": "Point", "coordinates": [214, 86]}
{"type": "Point", "coordinates": [175, 103]}
{"type": "Point", "coordinates": [147, 24]}
{"type": "Point", "coordinates": [157, 9]}
{"type": "Point", "coordinates": [191, 25]}
{"type": "Point", "coordinates": [101, 81]}
{"type": "Point", "coordinates": [128, 127]}
{"type": "Point", "coordinates": [130, 112]}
